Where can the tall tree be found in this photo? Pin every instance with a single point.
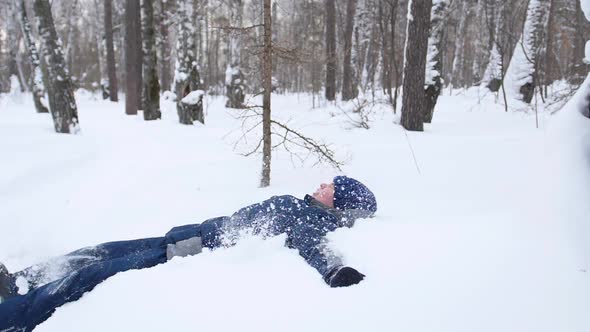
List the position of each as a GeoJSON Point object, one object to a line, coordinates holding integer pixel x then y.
{"type": "Point", "coordinates": [522, 74]}
{"type": "Point", "coordinates": [267, 86]}
{"type": "Point", "coordinates": [132, 83]}
{"type": "Point", "coordinates": [186, 78]}
{"type": "Point", "coordinates": [494, 72]}
{"type": "Point", "coordinates": [37, 81]}
{"type": "Point", "coordinates": [433, 80]}
{"type": "Point", "coordinates": [413, 99]}
{"type": "Point", "coordinates": [349, 90]}
{"type": "Point", "coordinates": [330, 50]}
{"type": "Point", "coordinates": [234, 79]}
{"type": "Point", "coordinates": [164, 44]}
{"type": "Point", "coordinates": [111, 67]}
{"type": "Point", "coordinates": [61, 96]}
{"type": "Point", "coordinates": [151, 85]}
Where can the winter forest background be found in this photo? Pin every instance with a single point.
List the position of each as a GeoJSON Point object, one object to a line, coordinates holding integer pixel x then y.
{"type": "Point", "coordinates": [353, 49]}
{"type": "Point", "coordinates": [469, 119]}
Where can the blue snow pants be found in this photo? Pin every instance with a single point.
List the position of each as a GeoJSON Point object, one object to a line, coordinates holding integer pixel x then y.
{"type": "Point", "coordinates": [84, 269]}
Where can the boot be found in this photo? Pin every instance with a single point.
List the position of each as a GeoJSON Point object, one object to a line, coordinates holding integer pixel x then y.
{"type": "Point", "coordinates": [6, 284]}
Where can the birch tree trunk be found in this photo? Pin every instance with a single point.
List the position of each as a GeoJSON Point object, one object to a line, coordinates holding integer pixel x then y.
{"type": "Point", "coordinates": [165, 45]}
{"type": "Point", "coordinates": [267, 85]}
{"type": "Point", "coordinates": [494, 72]}
{"type": "Point", "coordinates": [413, 99]}
{"type": "Point", "coordinates": [234, 80]}
{"type": "Point", "coordinates": [433, 80]}
{"type": "Point", "coordinates": [38, 88]}
{"type": "Point", "coordinates": [349, 91]}
{"type": "Point", "coordinates": [186, 75]}
{"type": "Point", "coordinates": [330, 50]}
{"type": "Point", "coordinates": [111, 67]}
{"type": "Point", "coordinates": [522, 75]}
{"type": "Point", "coordinates": [61, 97]}
{"type": "Point", "coordinates": [101, 52]}
{"type": "Point", "coordinates": [151, 86]}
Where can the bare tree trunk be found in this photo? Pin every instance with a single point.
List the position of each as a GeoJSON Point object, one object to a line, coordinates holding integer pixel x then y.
{"type": "Point", "coordinates": [579, 69]}
{"type": "Point", "coordinates": [330, 50]}
{"type": "Point", "coordinates": [413, 100]}
{"type": "Point", "coordinates": [348, 89]}
{"type": "Point", "coordinates": [131, 53]}
{"type": "Point", "coordinates": [383, 28]}
{"type": "Point", "coordinates": [151, 86]}
{"type": "Point", "coordinates": [394, 63]}
{"type": "Point", "coordinates": [111, 67]}
{"type": "Point", "coordinates": [101, 52]}
{"type": "Point", "coordinates": [37, 82]}
{"type": "Point", "coordinates": [61, 97]}
{"type": "Point", "coordinates": [234, 80]}
{"type": "Point", "coordinates": [187, 82]}
{"type": "Point", "coordinates": [165, 45]}
{"type": "Point", "coordinates": [434, 61]}
{"type": "Point", "coordinates": [267, 84]}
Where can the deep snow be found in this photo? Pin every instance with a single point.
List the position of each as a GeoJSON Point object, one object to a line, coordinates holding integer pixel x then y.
{"type": "Point", "coordinates": [486, 233]}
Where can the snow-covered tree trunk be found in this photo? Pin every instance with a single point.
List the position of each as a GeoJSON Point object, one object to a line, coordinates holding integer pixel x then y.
{"type": "Point", "coordinates": [433, 80]}
{"type": "Point", "coordinates": [151, 85]}
{"type": "Point", "coordinates": [234, 79]}
{"type": "Point", "coordinates": [110, 50]}
{"type": "Point", "coordinates": [413, 99]}
{"type": "Point", "coordinates": [100, 46]}
{"type": "Point", "coordinates": [164, 44]}
{"type": "Point", "coordinates": [186, 74]}
{"type": "Point", "coordinates": [331, 50]}
{"type": "Point", "coordinates": [481, 45]}
{"type": "Point", "coordinates": [492, 77]}
{"type": "Point", "coordinates": [521, 76]}
{"type": "Point", "coordinates": [459, 58]}
{"type": "Point", "coordinates": [349, 89]}
{"type": "Point", "coordinates": [361, 44]}
{"type": "Point", "coordinates": [37, 82]}
{"type": "Point", "coordinates": [61, 97]}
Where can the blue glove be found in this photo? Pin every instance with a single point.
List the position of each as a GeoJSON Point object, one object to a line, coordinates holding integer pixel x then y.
{"type": "Point", "coordinates": [343, 276]}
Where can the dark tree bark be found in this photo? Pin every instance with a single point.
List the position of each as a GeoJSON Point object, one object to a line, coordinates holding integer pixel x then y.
{"type": "Point", "coordinates": [330, 50]}
{"type": "Point", "coordinates": [434, 60]}
{"type": "Point", "coordinates": [37, 82]}
{"type": "Point", "coordinates": [349, 91]}
{"type": "Point", "coordinates": [61, 97]}
{"type": "Point", "coordinates": [394, 64]}
{"type": "Point", "coordinates": [413, 101]}
{"type": "Point", "coordinates": [267, 85]}
{"type": "Point", "coordinates": [151, 86]}
{"type": "Point", "coordinates": [111, 67]}
{"type": "Point", "coordinates": [165, 46]}
{"type": "Point", "coordinates": [579, 69]}
{"type": "Point", "coordinates": [132, 84]}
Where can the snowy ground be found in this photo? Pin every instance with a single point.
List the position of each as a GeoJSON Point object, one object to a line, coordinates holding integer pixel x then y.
{"type": "Point", "coordinates": [484, 232]}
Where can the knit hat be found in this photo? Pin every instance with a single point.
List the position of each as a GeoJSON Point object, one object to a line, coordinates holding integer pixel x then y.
{"type": "Point", "coordinates": [351, 194]}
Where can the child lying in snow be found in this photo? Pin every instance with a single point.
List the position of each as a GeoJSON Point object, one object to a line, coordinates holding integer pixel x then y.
{"type": "Point", "coordinates": [29, 297]}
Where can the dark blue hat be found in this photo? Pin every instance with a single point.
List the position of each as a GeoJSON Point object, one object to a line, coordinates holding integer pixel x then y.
{"type": "Point", "coordinates": [351, 194]}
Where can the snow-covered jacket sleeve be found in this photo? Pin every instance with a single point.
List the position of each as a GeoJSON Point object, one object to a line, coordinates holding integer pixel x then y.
{"type": "Point", "coordinates": [309, 239]}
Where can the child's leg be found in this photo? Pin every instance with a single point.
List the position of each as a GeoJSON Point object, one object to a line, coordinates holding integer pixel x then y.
{"type": "Point", "coordinates": [59, 267]}
{"type": "Point", "coordinates": [23, 313]}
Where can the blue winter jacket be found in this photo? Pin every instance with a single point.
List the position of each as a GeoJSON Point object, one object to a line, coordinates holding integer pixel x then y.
{"type": "Point", "coordinates": [305, 222]}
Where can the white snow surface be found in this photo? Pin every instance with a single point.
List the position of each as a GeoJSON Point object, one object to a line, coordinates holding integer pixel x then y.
{"type": "Point", "coordinates": [489, 235]}
{"type": "Point", "coordinates": [193, 97]}
{"type": "Point", "coordinates": [585, 4]}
